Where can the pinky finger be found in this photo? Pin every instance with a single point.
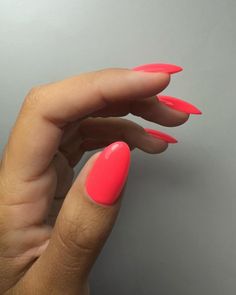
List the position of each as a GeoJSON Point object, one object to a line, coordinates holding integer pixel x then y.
{"type": "Point", "coordinates": [100, 132]}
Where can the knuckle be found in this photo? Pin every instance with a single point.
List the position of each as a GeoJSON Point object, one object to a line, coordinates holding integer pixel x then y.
{"type": "Point", "coordinates": [34, 92]}
{"type": "Point", "coordinates": [81, 234]}
{"type": "Point", "coordinates": [75, 238]}
{"type": "Point", "coordinates": [33, 96]}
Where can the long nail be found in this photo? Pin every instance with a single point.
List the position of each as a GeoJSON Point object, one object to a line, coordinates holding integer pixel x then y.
{"type": "Point", "coordinates": [161, 135]}
{"type": "Point", "coordinates": [108, 174]}
{"type": "Point", "coordinates": [159, 68]}
{"type": "Point", "coordinates": [179, 104]}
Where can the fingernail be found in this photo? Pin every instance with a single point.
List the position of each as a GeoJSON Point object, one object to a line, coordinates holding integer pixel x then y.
{"type": "Point", "coordinates": [108, 175]}
{"type": "Point", "coordinates": [179, 104]}
{"type": "Point", "coordinates": [161, 135]}
{"type": "Point", "coordinates": [163, 68]}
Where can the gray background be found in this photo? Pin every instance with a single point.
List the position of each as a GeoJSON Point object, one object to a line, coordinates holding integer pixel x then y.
{"type": "Point", "coordinates": [176, 233]}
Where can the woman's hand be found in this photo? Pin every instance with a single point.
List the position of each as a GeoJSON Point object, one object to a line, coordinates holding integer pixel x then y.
{"type": "Point", "coordinates": [57, 123]}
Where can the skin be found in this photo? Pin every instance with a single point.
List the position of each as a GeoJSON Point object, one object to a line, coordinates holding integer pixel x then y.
{"type": "Point", "coordinates": [47, 247]}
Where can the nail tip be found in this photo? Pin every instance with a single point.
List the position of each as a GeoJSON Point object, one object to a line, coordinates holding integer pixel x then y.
{"type": "Point", "coordinates": [159, 67]}
{"type": "Point", "coordinates": [179, 104]}
{"type": "Point", "coordinates": [178, 69]}
{"type": "Point", "coordinates": [195, 111]}
{"type": "Point", "coordinates": [172, 140]}
{"type": "Point", "coordinates": [199, 112]}
{"type": "Point", "coordinates": [161, 135]}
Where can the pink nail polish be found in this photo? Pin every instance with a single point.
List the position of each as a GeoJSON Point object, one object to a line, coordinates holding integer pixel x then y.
{"type": "Point", "coordinates": [179, 104]}
{"type": "Point", "coordinates": [159, 68]}
{"type": "Point", "coordinates": [161, 135]}
{"type": "Point", "coordinates": [108, 174]}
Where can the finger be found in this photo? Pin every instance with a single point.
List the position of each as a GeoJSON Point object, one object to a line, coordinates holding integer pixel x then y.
{"type": "Point", "coordinates": [49, 108]}
{"type": "Point", "coordinates": [84, 222]}
{"type": "Point", "coordinates": [94, 133]}
{"type": "Point", "coordinates": [150, 109]}
{"type": "Point", "coordinates": [153, 110]}
{"type": "Point", "coordinates": [118, 129]}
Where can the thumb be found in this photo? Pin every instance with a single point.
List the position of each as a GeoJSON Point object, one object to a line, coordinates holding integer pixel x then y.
{"type": "Point", "coordinates": [85, 220]}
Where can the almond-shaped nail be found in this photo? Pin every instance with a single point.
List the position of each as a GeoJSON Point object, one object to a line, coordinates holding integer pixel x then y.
{"type": "Point", "coordinates": [161, 135]}
{"type": "Point", "coordinates": [179, 104]}
{"type": "Point", "coordinates": [109, 173]}
{"type": "Point", "coordinates": [159, 68]}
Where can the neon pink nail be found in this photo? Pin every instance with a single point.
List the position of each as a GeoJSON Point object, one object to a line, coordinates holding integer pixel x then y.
{"type": "Point", "coordinates": [164, 68]}
{"type": "Point", "coordinates": [108, 174]}
{"type": "Point", "coordinates": [179, 104]}
{"type": "Point", "coordinates": [161, 135]}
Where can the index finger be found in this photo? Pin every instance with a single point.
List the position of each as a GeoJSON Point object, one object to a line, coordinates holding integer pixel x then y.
{"type": "Point", "coordinates": [48, 109]}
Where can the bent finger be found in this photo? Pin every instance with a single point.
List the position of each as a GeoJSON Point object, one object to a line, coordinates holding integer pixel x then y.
{"type": "Point", "coordinates": [47, 110]}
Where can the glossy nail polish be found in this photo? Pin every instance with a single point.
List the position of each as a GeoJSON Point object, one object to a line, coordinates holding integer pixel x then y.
{"type": "Point", "coordinates": [159, 68]}
{"type": "Point", "coordinates": [179, 104]}
{"type": "Point", "coordinates": [108, 174]}
{"type": "Point", "coordinates": [161, 135]}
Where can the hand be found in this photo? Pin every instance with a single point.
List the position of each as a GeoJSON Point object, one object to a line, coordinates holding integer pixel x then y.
{"type": "Point", "coordinates": [57, 123]}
